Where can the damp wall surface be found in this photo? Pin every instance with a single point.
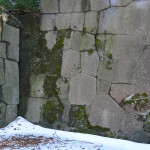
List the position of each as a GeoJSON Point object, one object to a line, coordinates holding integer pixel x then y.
{"type": "Point", "coordinates": [9, 73]}
{"type": "Point", "coordinates": [85, 67]}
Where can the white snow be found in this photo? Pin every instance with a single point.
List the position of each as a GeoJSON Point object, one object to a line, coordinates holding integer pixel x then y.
{"type": "Point", "coordinates": [60, 140]}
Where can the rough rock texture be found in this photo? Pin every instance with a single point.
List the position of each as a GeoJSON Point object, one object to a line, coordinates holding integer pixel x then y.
{"type": "Point", "coordinates": [120, 2]}
{"type": "Point", "coordinates": [3, 50]}
{"type": "Point", "coordinates": [66, 6]}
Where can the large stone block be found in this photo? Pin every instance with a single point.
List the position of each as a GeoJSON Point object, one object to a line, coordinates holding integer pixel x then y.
{"type": "Point", "coordinates": [127, 46]}
{"type": "Point", "coordinates": [89, 62]}
{"type": "Point", "coordinates": [77, 21]}
{"type": "Point", "coordinates": [36, 88]}
{"type": "Point", "coordinates": [49, 6]}
{"type": "Point", "coordinates": [120, 2]}
{"type": "Point", "coordinates": [13, 52]}
{"type": "Point", "coordinates": [66, 6]}
{"type": "Point", "coordinates": [10, 93]}
{"type": "Point", "coordinates": [99, 5]}
{"type": "Point", "coordinates": [106, 112]}
{"type": "Point", "coordinates": [112, 20]}
{"type": "Point", "coordinates": [48, 22]}
{"type": "Point", "coordinates": [82, 89]}
{"type": "Point", "coordinates": [82, 42]}
{"type": "Point", "coordinates": [91, 22]}
{"type": "Point", "coordinates": [130, 123]}
{"type": "Point", "coordinates": [108, 71]}
{"type": "Point", "coordinates": [3, 50]}
{"type": "Point", "coordinates": [81, 5]}
{"type": "Point", "coordinates": [11, 72]}
{"type": "Point", "coordinates": [11, 113]}
{"type": "Point", "coordinates": [63, 21]}
{"type": "Point", "coordinates": [2, 73]}
{"type": "Point", "coordinates": [2, 114]}
{"type": "Point", "coordinates": [137, 14]}
{"type": "Point", "coordinates": [34, 109]}
{"type": "Point", "coordinates": [10, 34]}
{"type": "Point", "coordinates": [51, 39]}
{"type": "Point", "coordinates": [70, 59]}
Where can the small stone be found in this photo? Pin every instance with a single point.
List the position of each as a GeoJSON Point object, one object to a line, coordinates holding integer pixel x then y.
{"type": "Point", "coordinates": [3, 50]}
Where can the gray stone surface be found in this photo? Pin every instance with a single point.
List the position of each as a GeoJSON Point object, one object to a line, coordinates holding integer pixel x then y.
{"type": "Point", "coordinates": [137, 14]}
{"type": "Point", "coordinates": [11, 113]}
{"type": "Point", "coordinates": [77, 21]}
{"type": "Point", "coordinates": [2, 76]}
{"type": "Point", "coordinates": [11, 72]}
{"type": "Point", "coordinates": [131, 124]}
{"type": "Point", "coordinates": [2, 114]}
{"type": "Point", "coordinates": [148, 39]}
{"type": "Point", "coordinates": [91, 22]}
{"type": "Point", "coordinates": [64, 90]}
{"type": "Point", "coordinates": [89, 63]}
{"type": "Point", "coordinates": [3, 50]}
{"type": "Point", "coordinates": [34, 109]}
{"type": "Point", "coordinates": [66, 6]}
{"type": "Point", "coordinates": [10, 34]}
{"type": "Point", "coordinates": [108, 71]}
{"type": "Point", "coordinates": [106, 112]}
{"type": "Point", "coordinates": [51, 39]}
{"type": "Point", "coordinates": [146, 53]}
{"type": "Point", "coordinates": [103, 87]}
{"type": "Point", "coordinates": [63, 21]}
{"type": "Point", "coordinates": [120, 2]}
{"type": "Point", "coordinates": [48, 22]}
{"type": "Point", "coordinates": [67, 42]}
{"type": "Point", "coordinates": [81, 5]}
{"type": "Point", "coordinates": [82, 89]}
{"type": "Point", "coordinates": [112, 20]}
{"type": "Point", "coordinates": [49, 6]}
{"type": "Point", "coordinates": [70, 59]}
{"type": "Point", "coordinates": [127, 46]}
{"type": "Point", "coordinates": [99, 5]}
{"type": "Point", "coordinates": [13, 52]}
{"type": "Point", "coordinates": [36, 85]}
{"type": "Point", "coordinates": [10, 93]}
{"type": "Point", "coordinates": [127, 71]}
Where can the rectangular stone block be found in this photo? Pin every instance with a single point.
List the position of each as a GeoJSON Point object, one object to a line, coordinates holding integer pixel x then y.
{"type": "Point", "coordinates": [10, 34]}
{"type": "Point", "coordinates": [11, 113]}
{"type": "Point", "coordinates": [47, 22]}
{"type": "Point", "coordinates": [13, 52]}
{"type": "Point", "coordinates": [49, 6]}
{"type": "Point", "coordinates": [3, 50]}
{"type": "Point", "coordinates": [66, 6]}
{"type": "Point", "coordinates": [81, 5]}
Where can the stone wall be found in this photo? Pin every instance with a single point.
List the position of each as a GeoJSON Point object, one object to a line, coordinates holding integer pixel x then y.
{"type": "Point", "coordinates": [92, 69]}
{"type": "Point", "coordinates": [9, 73]}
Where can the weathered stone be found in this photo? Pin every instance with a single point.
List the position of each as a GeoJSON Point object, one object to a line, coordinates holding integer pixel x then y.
{"type": "Point", "coordinates": [10, 93]}
{"type": "Point", "coordinates": [89, 63]}
{"type": "Point", "coordinates": [64, 90]}
{"type": "Point", "coordinates": [77, 21]}
{"type": "Point", "coordinates": [120, 2]}
{"type": "Point", "coordinates": [82, 89]}
{"type": "Point", "coordinates": [131, 124]}
{"type": "Point", "coordinates": [10, 34]}
{"type": "Point", "coordinates": [146, 53]}
{"type": "Point", "coordinates": [67, 42]}
{"type": "Point", "coordinates": [106, 112]}
{"type": "Point", "coordinates": [13, 52]}
{"type": "Point", "coordinates": [127, 46]}
{"type": "Point", "coordinates": [83, 42]}
{"type": "Point", "coordinates": [66, 6]}
{"type": "Point", "coordinates": [49, 6]}
{"type": "Point", "coordinates": [127, 71]}
{"type": "Point", "coordinates": [2, 114]}
{"type": "Point", "coordinates": [51, 39]}
{"type": "Point", "coordinates": [91, 21]}
{"type": "Point", "coordinates": [2, 78]}
{"type": "Point", "coordinates": [36, 85]}
{"type": "Point", "coordinates": [76, 70]}
{"type": "Point", "coordinates": [81, 5]}
{"type": "Point", "coordinates": [148, 40]}
{"type": "Point", "coordinates": [121, 91]}
{"type": "Point", "coordinates": [103, 87]}
{"type": "Point", "coordinates": [112, 20]}
{"type": "Point", "coordinates": [48, 22]}
{"type": "Point", "coordinates": [11, 72]}
{"type": "Point", "coordinates": [108, 71]}
{"type": "Point", "coordinates": [34, 109]}
{"type": "Point", "coordinates": [63, 21]}
{"type": "Point", "coordinates": [137, 13]}
{"type": "Point", "coordinates": [3, 50]}
{"type": "Point", "coordinates": [99, 5]}
{"type": "Point", "coordinates": [11, 113]}
{"type": "Point", "coordinates": [70, 59]}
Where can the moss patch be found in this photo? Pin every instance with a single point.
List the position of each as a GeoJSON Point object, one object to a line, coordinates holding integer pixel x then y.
{"type": "Point", "coordinates": [108, 65]}
{"type": "Point", "coordinates": [98, 44]}
{"type": "Point", "coordinates": [84, 31]}
{"type": "Point", "coordinates": [0, 110]}
{"type": "Point", "coordinates": [90, 52]}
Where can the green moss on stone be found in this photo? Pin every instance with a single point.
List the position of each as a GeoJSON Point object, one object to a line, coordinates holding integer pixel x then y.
{"type": "Point", "coordinates": [55, 28]}
{"type": "Point", "coordinates": [108, 65]}
{"type": "Point", "coordinates": [110, 56]}
{"type": "Point", "coordinates": [90, 52]}
{"type": "Point", "coordinates": [65, 80]}
{"type": "Point", "coordinates": [98, 44]}
{"type": "Point", "coordinates": [84, 31]}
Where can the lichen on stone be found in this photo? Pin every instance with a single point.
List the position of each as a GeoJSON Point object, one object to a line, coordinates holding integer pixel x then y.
{"type": "Point", "coordinates": [108, 65]}
{"type": "Point", "coordinates": [98, 44]}
{"type": "Point", "coordinates": [90, 52]}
